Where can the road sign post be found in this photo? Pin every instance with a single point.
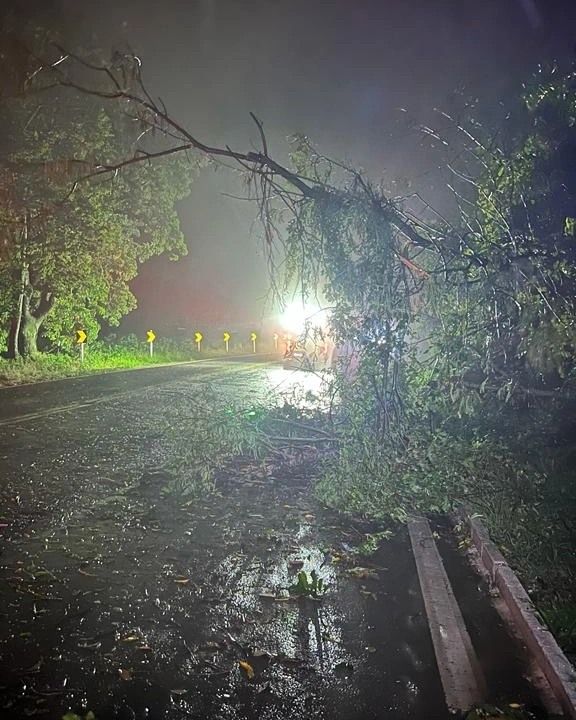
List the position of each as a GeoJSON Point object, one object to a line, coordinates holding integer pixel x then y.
{"type": "Point", "coordinates": [276, 337]}
{"type": "Point", "coordinates": [80, 340]}
{"type": "Point", "coordinates": [150, 337]}
{"type": "Point", "coordinates": [253, 337]}
{"type": "Point", "coordinates": [198, 340]}
{"type": "Point", "coordinates": [226, 340]}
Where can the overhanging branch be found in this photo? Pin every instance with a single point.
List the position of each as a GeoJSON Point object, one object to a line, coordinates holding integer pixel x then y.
{"type": "Point", "coordinates": [260, 164]}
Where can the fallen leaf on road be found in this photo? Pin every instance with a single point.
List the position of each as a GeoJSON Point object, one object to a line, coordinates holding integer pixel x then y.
{"type": "Point", "coordinates": [36, 667]}
{"type": "Point", "coordinates": [366, 592]}
{"type": "Point", "coordinates": [86, 573]}
{"type": "Point", "coordinates": [125, 674]}
{"type": "Point", "coordinates": [363, 573]}
{"type": "Point", "coordinates": [248, 669]}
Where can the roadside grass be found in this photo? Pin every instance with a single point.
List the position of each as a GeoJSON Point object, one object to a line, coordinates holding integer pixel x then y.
{"type": "Point", "coordinates": [538, 543]}
{"type": "Point", "coordinates": [99, 358]}
{"type": "Point", "coordinates": [104, 356]}
{"type": "Point", "coordinates": [561, 619]}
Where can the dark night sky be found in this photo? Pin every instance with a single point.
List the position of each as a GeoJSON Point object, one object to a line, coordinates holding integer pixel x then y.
{"type": "Point", "coordinates": [337, 71]}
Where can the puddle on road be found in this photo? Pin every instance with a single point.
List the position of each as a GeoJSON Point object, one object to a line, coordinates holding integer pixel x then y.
{"type": "Point", "coordinates": [144, 609]}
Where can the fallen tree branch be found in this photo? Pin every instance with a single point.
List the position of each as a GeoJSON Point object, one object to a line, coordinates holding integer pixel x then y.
{"type": "Point", "coordinates": [259, 163]}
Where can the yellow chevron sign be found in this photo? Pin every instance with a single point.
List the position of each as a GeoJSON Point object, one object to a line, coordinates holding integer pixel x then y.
{"type": "Point", "coordinates": [81, 336]}
{"type": "Point", "coordinates": [226, 337]}
{"type": "Point", "coordinates": [198, 337]}
{"type": "Point", "coordinates": [150, 336]}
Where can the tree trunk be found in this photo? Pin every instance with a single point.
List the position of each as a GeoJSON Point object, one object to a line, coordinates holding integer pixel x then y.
{"type": "Point", "coordinates": [18, 319]}
{"type": "Point", "coordinates": [24, 282]}
{"type": "Point", "coordinates": [12, 351]}
{"type": "Point", "coordinates": [23, 338]}
{"type": "Point", "coordinates": [28, 345]}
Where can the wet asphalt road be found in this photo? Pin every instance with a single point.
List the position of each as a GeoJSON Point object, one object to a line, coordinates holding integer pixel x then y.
{"type": "Point", "coordinates": [133, 602]}
{"type": "Point", "coordinates": [52, 397]}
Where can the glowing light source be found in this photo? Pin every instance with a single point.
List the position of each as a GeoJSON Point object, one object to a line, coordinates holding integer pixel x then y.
{"type": "Point", "coordinates": [297, 315]}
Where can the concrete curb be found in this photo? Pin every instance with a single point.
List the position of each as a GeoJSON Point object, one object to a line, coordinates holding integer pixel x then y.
{"type": "Point", "coordinates": [540, 642]}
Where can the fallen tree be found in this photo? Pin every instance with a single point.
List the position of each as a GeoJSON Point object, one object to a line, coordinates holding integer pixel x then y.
{"type": "Point", "coordinates": [464, 330]}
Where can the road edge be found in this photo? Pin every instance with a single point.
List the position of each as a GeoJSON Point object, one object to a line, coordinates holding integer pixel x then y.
{"type": "Point", "coordinates": [555, 666]}
{"type": "Point", "coordinates": [149, 366]}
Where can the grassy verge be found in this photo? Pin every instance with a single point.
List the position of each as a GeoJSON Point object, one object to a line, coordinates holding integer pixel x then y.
{"type": "Point", "coordinates": [49, 366]}
{"type": "Point", "coordinates": [538, 542]}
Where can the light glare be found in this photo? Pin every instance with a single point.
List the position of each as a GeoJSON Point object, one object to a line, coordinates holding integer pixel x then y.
{"type": "Point", "coordinates": [298, 315]}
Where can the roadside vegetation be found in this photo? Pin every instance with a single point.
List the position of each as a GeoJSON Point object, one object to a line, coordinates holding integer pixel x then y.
{"type": "Point", "coordinates": [100, 356]}
{"type": "Point", "coordinates": [71, 242]}
{"type": "Point", "coordinates": [462, 331]}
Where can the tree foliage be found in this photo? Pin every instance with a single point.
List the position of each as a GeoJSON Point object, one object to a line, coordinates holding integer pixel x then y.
{"type": "Point", "coordinates": [512, 305]}
{"type": "Point", "coordinates": [71, 243]}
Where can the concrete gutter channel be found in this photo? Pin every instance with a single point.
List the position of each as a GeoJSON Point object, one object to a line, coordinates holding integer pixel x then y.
{"type": "Point", "coordinates": [462, 678]}
{"type": "Point", "coordinates": [539, 641]}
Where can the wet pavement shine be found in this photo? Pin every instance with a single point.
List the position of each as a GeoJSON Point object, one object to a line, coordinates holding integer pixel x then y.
{"type": "Point", "coordinates": [119, 598]}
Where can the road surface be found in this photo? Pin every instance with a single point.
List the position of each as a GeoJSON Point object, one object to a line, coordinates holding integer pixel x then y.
{"type": "Point", "coordinates": [121, 595]}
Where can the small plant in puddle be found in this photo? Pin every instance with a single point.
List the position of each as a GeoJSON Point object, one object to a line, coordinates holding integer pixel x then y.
{"type": "Point", "coordinates": [372, 542]}
{"type": "Point", "coordinates": [309, 585]}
